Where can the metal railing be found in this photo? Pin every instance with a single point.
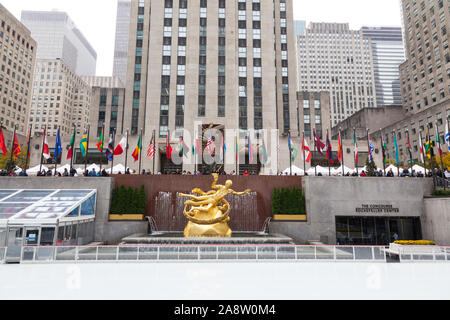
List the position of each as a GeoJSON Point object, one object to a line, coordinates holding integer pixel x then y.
{"type": "Point", "coordinates": [423, 253]}
{"type": "Point", "coordinates": [149, 253]}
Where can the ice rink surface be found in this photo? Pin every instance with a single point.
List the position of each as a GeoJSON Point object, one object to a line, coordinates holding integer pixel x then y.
{"type": "Point", "coordinates": [225, 281]}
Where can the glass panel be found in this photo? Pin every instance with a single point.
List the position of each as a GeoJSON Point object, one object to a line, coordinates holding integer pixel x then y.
{"type": "Point", "coordinates": [30, 195]}
{"type": "Point", "coordinates": [6, 193]}
{"type": "Point", "coordinates": [70, 195]}
{"type": "Point", "coordinates": [88, 207]}
{"type": "Point", "coordinates": [2, 237]}
{"type": "Point", "coordinates": [32, 237]}
{"type": "Point", "coordinates": [74, 212]}
{"type": "Point", "coordinates": [47, 235]}
{"type": "Point", "coordinates": [7, 210]}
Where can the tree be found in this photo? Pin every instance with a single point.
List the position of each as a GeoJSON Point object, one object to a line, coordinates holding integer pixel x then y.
{"type": "Point", "coordinates": [6, 164]}
{"type": "Point", "coordinates": [371, 168]}
{"type": "Point", "coordinates": [445, 160]}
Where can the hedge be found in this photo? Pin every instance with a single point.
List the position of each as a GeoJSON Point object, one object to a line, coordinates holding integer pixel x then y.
{"type": "Point", "coordinates": [288, 201]}
{"type": "Point", "coordinates": [128, 200]}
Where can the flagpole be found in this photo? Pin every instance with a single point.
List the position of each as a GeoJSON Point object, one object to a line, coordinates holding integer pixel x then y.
{"type": "Point", "coordinates": [42, 151]}
{"type": "Point", "coordinates": [410, 152]}
{"type": "Point", "coordinates": [328, 158]}
{"type": "Point", "coordinates": [154, 151]}
{"type": "Point", "coordinates": [87, 149]}
{"type": "Point", "coordinates": [103, 141]}
{"type": "Point", "coordinates": [54, 154]}
{"type": "Point", "coordinates": [113, 147]}
{"type": "Point", "coordinates": [126, 154]}
{"type": "Point", "coordinates": [304, 154]}
{"type": "Point", "coordinates": [369, 151]}
{"type": "Point", "coordinates": [383, 150]}
{"type": "Point", "coordinates": [422, 152]}
{"type": "Point", "coordinates": [140, 154]}
{"type": "Point", "coordinates": [73, 147]}
{"type": "Point", "coordinates": [13, 143]}
{"type": "Point", "coordinates": [290, 152]}
{"type": "Point", "coordinates": [438, 138]}
{"type": "Point", "coordinates": [342, 152]}
{"type": "Point", "coordinates": [28, 148]}
{"type": "Point", "coordinates": [354, 152]}
{"type": "Point", "coordinates": [315, 150]}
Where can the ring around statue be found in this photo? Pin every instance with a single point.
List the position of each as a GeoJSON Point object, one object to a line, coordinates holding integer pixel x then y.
{"type": "Point", "coordinates": [209, 212]}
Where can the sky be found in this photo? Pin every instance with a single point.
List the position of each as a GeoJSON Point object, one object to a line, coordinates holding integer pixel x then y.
{"type": "Point", "coordinates": [96, 18]}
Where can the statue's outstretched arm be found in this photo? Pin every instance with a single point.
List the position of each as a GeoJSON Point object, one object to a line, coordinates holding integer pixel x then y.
{"type": "Point", "coordinates": [240, 193]}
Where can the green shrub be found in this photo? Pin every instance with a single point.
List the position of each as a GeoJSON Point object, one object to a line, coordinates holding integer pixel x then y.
{"type": "Point", "coordinates": [128, 200]}
{"type": "Point", "coordinates": [441, 193]}
{"type": "Point", "coordinates": [288, 201]}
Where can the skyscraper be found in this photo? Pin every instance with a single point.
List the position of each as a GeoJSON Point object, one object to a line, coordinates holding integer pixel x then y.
{"type": "Point", "coordinates": [121, 44]}
{"type": "Point", "coordinates": [333, 58]}
{"type": "Point", "coordinates": [213, 62]}
{"type": "Point", "coordinates": [388, 53]}
{"type": "Point", "coordinates": [57, 37]}
{"type": "Point", "coordinates": [17, 60]}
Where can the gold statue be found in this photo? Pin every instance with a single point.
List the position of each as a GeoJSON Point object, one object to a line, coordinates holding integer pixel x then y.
{"type": "Point", "coordinates": [209, 213]}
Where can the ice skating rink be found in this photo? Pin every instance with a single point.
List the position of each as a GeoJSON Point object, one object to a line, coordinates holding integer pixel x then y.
{"type": "Point", "coordinates": [223, 281]}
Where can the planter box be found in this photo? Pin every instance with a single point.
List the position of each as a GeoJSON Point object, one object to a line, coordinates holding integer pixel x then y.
{"type": "Point", "coordinates": [290, 217]}
{"type": "Point", "coordinates": [126, 217]}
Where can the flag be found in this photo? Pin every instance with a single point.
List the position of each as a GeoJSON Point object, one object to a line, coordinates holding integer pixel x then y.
{"type": "Point", "coordinates": [447, 136]}
{"type": "Point", "coordinates": [45, 149]}
{"type": "Point", "coordinates": [371, 150]}
{"type": "Point", "coordinates": [84, 144]}
{"type": "Point", "coordinates": [306, 150]}
{"type": "Point", "coordinates": [196, 147]}
{"type": "Point", "coordinates": [183, 149]}
{"type": "Point", "coordinates": [250, 150]}
{"type": "Point", "coordinates": [151, 149]}
{"type": "Point", "coordinates": [28, 145]}
{"type": "Point", "coordinates": [438, 143]}
{"type": "Point", "coordinates": [16, 147]}
{"type": "Point", "coordinates": [237, 147]}
{"type": "Point", "coordinates": [71, 146]}
{"type": "Point", "coordinates": [329, 150]}
{"type": "Point", "coordinates": [169, 149]}
{"type": "Point", "coordinates": [383, 149]}
{"type": "Point", "coordinates": [409, 149]}
{"type": "Point", "coordinates": [100, 142]}
{"type": "Point", "coordinates": [265, 157]}
{"type": "Point", "coordinates": [58, 147]}
{"type": "Point", "coordinates": [122, 146]}
{"type": "Point", "coordinates": [355, 142]}
{"type": "Point", "coordinates": [421, 149]}
{"type": "Point", "coordinates": [340, 149]}
{"type": "Point", "coordinates": [319, 144]}
{"type": "Point", "coordinates": [138, 149]}
{"type": "Point", "coordinates": [2, 143]}
{"type": "Point", "coordinates": [223, 149]}
{"type": "Point", "coordinates": [210, 145]}
{"type": "Point", "coordinates": [110, 150]}
{"type": "Point", "coordinates": [396, 149]}
{"type": "Point", "coordinates": [292, 150]}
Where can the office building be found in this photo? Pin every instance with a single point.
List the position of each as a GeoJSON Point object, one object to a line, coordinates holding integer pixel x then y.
{"type": "Point", "coordinates": [121, 42]}
{"type": "Point", "coordinates": [58, 38]}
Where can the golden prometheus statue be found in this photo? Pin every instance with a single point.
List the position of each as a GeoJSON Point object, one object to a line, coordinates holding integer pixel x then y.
{"type": "Point", "coordinates": [209, 213]}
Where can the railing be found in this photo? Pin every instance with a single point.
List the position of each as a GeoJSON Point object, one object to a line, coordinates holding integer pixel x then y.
{"type": "Point", "coordinates": [423, 253]}
{"type": "Point", "coordinates": [151, 253]}
{"type": "Point", "coordinates": [442, 182]}
{"type": "Point", "coordinates": [2, 254]}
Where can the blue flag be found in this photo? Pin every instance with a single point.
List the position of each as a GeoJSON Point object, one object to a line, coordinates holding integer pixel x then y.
{"type": "Point", "coordinates": [110, 150]}
{"type": "Point", "coordinates": [58, 147]}
{"type": "Point", "coordinates": [396, 150]}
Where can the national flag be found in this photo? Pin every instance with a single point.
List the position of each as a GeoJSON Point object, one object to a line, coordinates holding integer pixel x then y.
{"type": "Point", "coordinates": [84, 144]}
{"type": "Point", "coordinates": [429, 146]}
{"type": "Point", "coordinates": [329, 150]}
{"type": "Point", "coordinates": [28, 144]}
{"type": "Point", "coordinates": [71, 146]}
{"type": "Point", "coordinates": [183, 149]}
{"type": "Point", "coordinates": [210, 145]}
{"type": "Point", "coordinates": [151, 149]}
{"type": "Point", "coordinates": [250, 150]}
{"type": "Point", "coordinates": [58, 147]}
{"type": "Point", "coordinates": [137, 150]}
{"type": "Point", "coordinates": [45, 149]}
{"type": "Point", "coordinates": [319, 144]}
{"type": "Point", "coordinates": [223, 149]}
{"type": "Point", "coordinates": [340, 149]}
{"type": "Point", "coordinates": [421, 149]}
{"type": "Point", "coordinates": [383, 149]}
{"type": "Point", "coordinates": [265, 157]}
{"type": "Point", "coordinates": [306, 150]}
{"type": "Point", "coordinates": [371, 150]}
{"type": "Point", "coordinates": [396, 149]}
{"type": "Point", "coordinates": [169, 149]}
{"type": "Point", "coordinates": [196, 147]}
{"type": "Point", "coordinates": [355, 142]}
{"type": "Point", "coordinates": [447, 136]}
{"type": "Point", "coordinates": [100, 142]}
{"type": "Point", "coordinates": [438, 143]}
{"type": "Point", "coordinates": [16, 147]}
{"type": "Point", "coordinates": [237, 148]}
{"type": "Point", "coordinates": [409, 149]}
{"type": "Point", "coordinates": [2, 143]}
{"type": "Point", "coordinates": [110, 150]}
{"type": "Point", "coordinates": [292, 150]}
{"type": "Point", "coordinates": [122, 146]}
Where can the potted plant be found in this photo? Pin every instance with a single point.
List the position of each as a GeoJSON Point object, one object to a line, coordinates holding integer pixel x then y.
{"type": "Point", "coordinates": [288, 204]}
{"type": "Point", "coordinates": [128, 204]}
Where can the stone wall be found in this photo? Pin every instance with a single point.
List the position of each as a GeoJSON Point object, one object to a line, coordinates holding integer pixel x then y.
{"type": "Point", "coordinates": [436, 221]}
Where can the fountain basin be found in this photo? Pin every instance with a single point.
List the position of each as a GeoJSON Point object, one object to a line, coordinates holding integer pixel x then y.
{"type": "Point", "coordinates": [238, 238]}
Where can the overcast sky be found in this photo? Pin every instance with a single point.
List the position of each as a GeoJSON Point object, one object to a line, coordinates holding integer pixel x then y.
{"type": "Point", "coordinates": [96, 18]}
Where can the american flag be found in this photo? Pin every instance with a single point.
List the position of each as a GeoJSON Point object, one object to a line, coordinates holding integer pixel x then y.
{"type": "Point", "coordinates": [151, 149]}
{"type": "Point", "coordinates": [210, 145]}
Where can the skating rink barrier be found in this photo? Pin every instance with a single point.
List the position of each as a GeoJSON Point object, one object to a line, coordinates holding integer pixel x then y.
{"type": "Point", "coordinates": [149, 253]}
{"type": "Point", "coordinates": [423, 253]}
{"type": "Point", "coordinates": [2, 254]}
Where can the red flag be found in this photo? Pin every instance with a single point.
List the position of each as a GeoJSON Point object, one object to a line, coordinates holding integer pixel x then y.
{"type": "Point", "coordinates": [16, 148]}
{"type": "Point", "coordinates": [306, 150]}
{"type": "Point", "coordinates": [169, 149]}
{"type": "Point", "coordinates": [45, 150]}
{"type": "Point", "coordinates": [2, 143]}
{"type": "Point", "coordinates": [340, 150]}
{"type": "Point", "coordinates": [319, 144]}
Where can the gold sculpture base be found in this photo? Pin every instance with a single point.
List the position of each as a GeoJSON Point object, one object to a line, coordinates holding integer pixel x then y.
{"type": "Point", "coordinates": [209, 213]}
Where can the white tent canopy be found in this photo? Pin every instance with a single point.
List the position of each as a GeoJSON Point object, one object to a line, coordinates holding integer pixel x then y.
{"type": "Point", "coordinates": [295, 170]}
{"type": "Point", "coordinates": [93, 166]}
{"type": "Point", "coordinates": [322, 170]}
{"type": "Point", "coordinates": [36, 169]}
{"type": "Point", "coordinates": [339, 170]}
{"type": "Point", "coordinates": [418, 169]}
{"type": "Point", "coordinates": [116, 169]}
